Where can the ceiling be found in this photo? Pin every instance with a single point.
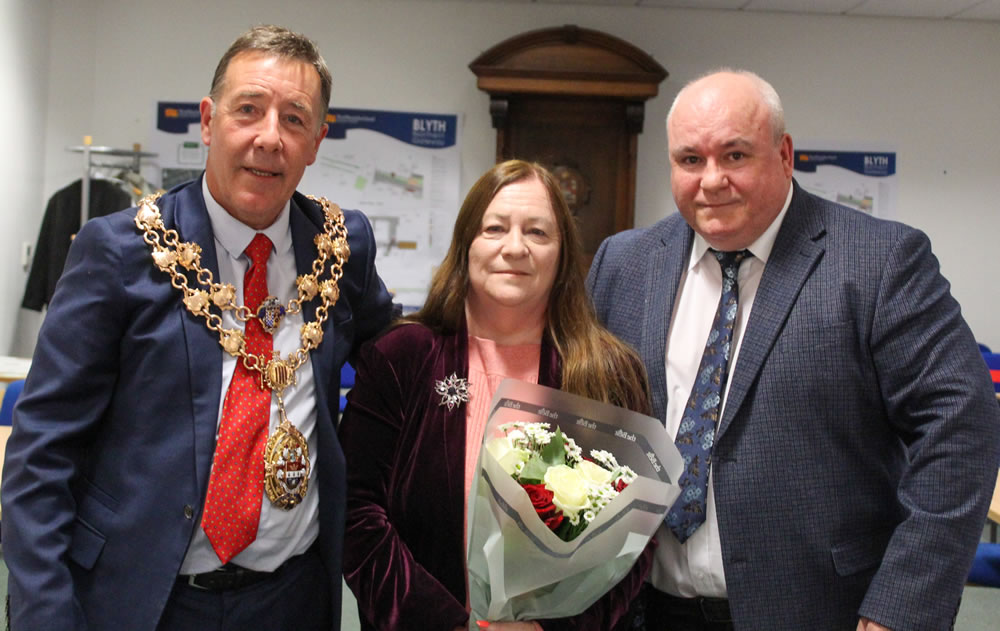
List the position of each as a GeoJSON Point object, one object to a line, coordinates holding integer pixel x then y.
{"type": "Point", "coordinates": [987, 10]}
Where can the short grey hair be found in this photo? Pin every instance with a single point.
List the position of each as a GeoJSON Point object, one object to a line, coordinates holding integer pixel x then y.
{"type": "Point", "coordinates": [767, 94]}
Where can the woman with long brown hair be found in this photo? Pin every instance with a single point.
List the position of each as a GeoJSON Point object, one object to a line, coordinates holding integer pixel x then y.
{"type": "Point", "coordinates": [507, 301]}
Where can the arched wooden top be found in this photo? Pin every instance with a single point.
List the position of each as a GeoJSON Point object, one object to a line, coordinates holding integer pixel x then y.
{"type": "Point", "coordinates": [568, 60]}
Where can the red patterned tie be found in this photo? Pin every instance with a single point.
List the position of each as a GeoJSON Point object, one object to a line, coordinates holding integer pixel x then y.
{"type": "Point", "coordinates": [236, 485]}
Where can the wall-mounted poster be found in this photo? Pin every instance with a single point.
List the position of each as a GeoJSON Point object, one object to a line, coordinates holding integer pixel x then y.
{"type": "Point", "coordinates": [863, 180]}
{"type": "Point", "coordinates": [177, 142]}
{"type": "Point", "coordinates": [401, 169]}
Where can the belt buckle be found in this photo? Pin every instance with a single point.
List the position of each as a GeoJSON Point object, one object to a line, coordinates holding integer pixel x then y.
{"type": "Point", "coordinates": [192, 580]}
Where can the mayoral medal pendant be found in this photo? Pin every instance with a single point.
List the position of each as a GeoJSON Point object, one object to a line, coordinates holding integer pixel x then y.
{"type": "Point", "coordinates": [286, 466]}
{"type": "Point", "coordinates": [286, 456]}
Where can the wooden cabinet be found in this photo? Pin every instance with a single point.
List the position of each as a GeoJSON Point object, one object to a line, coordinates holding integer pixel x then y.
{"type": "Point", "coordinates": [573, 99]}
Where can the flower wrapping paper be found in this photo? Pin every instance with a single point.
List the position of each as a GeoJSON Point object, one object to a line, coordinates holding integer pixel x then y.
{"type": "Point", "coordinates": [518, 568]}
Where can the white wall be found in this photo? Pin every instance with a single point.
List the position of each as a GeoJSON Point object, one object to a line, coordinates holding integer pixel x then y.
{"type": "Point", "coordinates": [24, 36]}
{"type": "Point", "coordinates": [927, 89]}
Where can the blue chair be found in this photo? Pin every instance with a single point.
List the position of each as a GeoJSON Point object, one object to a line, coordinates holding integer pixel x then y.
{"type": "Point", "coordinates": [986, 566]}
{"type": "Point", "coordinates": [347, 377]}
{"type": "Point", "coordinates": [346, 383]}
{"type": "Point", "coordinates": [10, 396]}
{"type": "Point", "coordinates": [993, 363]}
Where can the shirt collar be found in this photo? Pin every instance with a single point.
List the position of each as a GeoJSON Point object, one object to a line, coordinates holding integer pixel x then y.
{"type": "Point", "coordinates": [760, 248]}
{"type": "Point", "coordinates": [234, 236]}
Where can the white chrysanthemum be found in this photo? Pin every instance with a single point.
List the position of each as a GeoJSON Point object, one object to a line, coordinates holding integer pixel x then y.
{"type": "Point", "coordinates": [606, 458]}
{"type": "Point", "coordinates": [537, 434]}
{"type": "Point", "coordinates": [573, 451]}
{"type": "Point", "coordinates": [628, 475]}
{"type": "Point", "coordinates": [589, 516]}
{"type": "Point", "coordinates": [515, 434]}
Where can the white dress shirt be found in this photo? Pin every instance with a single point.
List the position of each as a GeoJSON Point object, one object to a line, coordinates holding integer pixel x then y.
{"type": "Point", "coordinates": [695, 567]}
{"type": "Point", "coordinates": [281, 534]}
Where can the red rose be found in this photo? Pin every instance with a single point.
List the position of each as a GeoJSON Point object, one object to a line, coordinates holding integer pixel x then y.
{"type": "Point", "coordinates": [541, 501]}
{"type": "Point", "coordinates": [620, 485]}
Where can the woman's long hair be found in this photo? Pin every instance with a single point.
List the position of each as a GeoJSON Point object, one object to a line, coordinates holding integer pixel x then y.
{"type": "Point", "coordinates": [595, 363]}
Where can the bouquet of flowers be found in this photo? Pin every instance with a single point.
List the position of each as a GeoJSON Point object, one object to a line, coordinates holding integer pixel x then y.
{"type": "Point", "coordinates": [549, 530]}
{"type": "Point", "coordinates": [566, 490]}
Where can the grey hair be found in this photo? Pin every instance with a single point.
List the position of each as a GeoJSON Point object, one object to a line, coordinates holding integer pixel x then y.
{"type": "Point", "coordinates": [767, 94]}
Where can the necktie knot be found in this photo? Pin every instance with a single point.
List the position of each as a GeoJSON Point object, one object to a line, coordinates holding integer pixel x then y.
{"type": "Point", "coordinates": [730, 261]}
{"type": "Point", "coordinates": [259, 249]}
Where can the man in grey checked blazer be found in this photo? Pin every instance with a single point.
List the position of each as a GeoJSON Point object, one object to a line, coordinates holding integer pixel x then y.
{"type": "Point", "coordinates": [858, 445]}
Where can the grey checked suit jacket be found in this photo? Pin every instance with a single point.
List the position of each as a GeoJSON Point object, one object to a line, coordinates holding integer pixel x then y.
{"type": "Point", "coordinates": [859, 446]}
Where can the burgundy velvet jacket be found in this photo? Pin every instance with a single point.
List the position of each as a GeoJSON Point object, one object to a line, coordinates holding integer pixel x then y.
{"type": "Point", "coordinates": [403, 549]}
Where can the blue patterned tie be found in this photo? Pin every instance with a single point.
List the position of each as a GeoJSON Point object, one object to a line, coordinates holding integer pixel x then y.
{"type": "Point", "coordinates": [696, 434]}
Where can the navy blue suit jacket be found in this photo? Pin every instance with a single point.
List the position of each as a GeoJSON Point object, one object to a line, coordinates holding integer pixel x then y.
{"type": "Point", "coordinates": [859, 445]}
{"type": "Point", "coordinates": [108, 463]}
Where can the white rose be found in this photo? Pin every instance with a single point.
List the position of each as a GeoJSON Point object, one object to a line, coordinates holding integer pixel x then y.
{"type": "Point", "coordinates": [594, 473]}
{"type": "Point", "coordinates": [569, 489]}
{"type": "Point", "coordinates": [506, 454]}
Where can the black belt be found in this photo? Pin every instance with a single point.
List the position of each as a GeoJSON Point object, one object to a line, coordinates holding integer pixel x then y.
{"type": "Point", "coordinates": [703, 607]}
{"type": "Point", "coordinates": [225, 578]}
{"type": "Point", "coordinates": [231, 576]}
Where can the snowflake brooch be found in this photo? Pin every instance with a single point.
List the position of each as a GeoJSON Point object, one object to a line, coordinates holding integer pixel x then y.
{"type": "Point", "coordinates": [453, 390]}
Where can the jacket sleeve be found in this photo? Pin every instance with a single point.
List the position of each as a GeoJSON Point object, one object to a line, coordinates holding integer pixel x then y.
{"type": "Point", "coordinates": [940, 403]}
{"type": "Point", "coordinates": [67, 390]}
{"type": "Point", "coordinates": [373, 309]}
{"type": "Point", "coordinates": [394, 591]}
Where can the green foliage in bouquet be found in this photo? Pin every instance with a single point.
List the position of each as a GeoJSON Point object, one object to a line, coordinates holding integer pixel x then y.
{"type": "Point", "coordinates": [566, 490]}
{"type": "Point", "coordinates": [550, 455]}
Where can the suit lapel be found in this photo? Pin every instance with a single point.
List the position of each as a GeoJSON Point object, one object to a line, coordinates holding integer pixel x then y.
{"type": "Point", "coordinates": [666, 265]}
{"type": "Point", "coordinates": [304, 229]}
{"type": "Point", "coordinates": [203, 350]}
{"type": "Point", "coordinates": [793, 258]}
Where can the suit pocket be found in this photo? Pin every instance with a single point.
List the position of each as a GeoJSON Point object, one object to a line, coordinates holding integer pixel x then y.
{"type": "Point", "coordinates": [86, 544]}
{"type": "Point", "coordinates": [89, 491]}
{"type": "Point", "coordinates": [95, 510]}
{"type": "Point", "coordinates": [860, 553]}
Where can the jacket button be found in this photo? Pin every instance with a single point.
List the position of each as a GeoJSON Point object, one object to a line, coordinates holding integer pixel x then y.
{"type": "Point", "coordinates": [188, 511]}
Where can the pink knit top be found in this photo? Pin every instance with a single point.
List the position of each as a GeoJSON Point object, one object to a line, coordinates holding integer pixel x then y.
{"type": "Point", "coordinates": [489, 364]}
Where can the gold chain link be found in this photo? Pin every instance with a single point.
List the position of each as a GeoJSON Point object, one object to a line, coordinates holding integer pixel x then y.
{"type": "Point", "coordinates": [169, 251]}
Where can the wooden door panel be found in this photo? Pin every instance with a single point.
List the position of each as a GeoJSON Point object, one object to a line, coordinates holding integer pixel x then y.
{"type": "Point", "coordinates": [588, 135]}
